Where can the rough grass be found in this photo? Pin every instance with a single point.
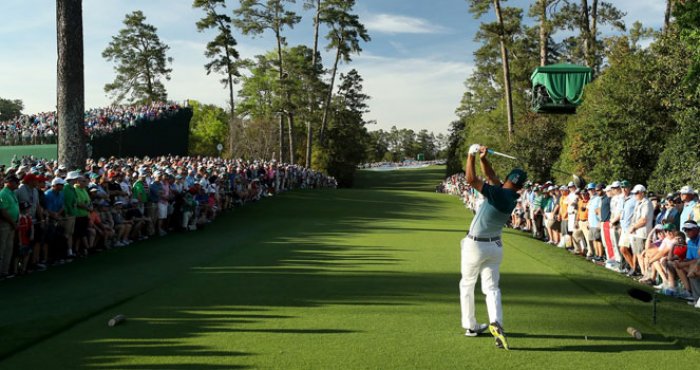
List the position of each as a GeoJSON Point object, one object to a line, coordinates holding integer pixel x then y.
{"type": "Point", "coordinates": [359, 278]}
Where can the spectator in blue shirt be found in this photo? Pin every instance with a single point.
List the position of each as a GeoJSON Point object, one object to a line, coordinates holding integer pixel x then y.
{"type": "Point", "coordinates": [688, 198]}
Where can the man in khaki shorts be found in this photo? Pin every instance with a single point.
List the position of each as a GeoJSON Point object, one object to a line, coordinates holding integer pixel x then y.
{"type": "Point", "coordinates": [625, 243]}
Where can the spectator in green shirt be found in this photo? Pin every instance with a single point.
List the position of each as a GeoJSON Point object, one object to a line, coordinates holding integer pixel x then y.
{"type": "Point", "coordinates": [70, 204]}
{"type": "Point", "coordinates": [83, 207]}
{"type": "Point", "coordinates": [9, 215]}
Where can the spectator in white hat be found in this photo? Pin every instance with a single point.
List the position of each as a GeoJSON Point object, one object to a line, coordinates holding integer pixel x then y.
{"type": "Point", "coordinates": [689, 202]}
{"type": "Point", "coordinates": [642, 223]}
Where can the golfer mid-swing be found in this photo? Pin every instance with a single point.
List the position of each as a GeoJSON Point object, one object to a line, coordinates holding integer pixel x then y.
{"type": "Point", "coordinates": [482, 250]}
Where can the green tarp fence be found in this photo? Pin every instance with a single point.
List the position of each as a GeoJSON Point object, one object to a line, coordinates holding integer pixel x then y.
{"type": "Point", "coordinates": [564, 82]}
{"type": "Point", "coordinates": [169, 135]}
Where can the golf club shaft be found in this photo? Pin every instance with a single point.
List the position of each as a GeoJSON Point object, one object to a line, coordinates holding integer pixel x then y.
{"type": "Point", "coordinates": [577, 180]}
{"type": "Point", "coordinates": [491, 151]}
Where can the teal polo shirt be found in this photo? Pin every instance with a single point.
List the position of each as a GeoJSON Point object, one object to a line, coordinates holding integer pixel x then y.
{"type": "Point", "coordinates": [494, 211]}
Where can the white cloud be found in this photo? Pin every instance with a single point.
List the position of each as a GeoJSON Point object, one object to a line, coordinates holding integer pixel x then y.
{"type": "Point", "coordinates": [391, 23]}
{"type": "Point", "coordinates": [415, 93]}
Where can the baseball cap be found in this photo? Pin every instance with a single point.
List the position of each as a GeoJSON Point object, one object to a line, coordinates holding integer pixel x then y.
{"type": "Point", "coordinates": [518, 177]}
{"type": "Point", "coordinates": [30, 177]}
{"type": "Point", "coordinates": [600, 186]}
{"type": "Point", "coordinates": [639, 189]}
{"type": "Point", "coordinates": [58, 181]}
{"type": "Point", "coordinates": [625, 184]}
{"type": "Point", "coordinates": [571, 184]}
{"type": "Point", "coordinates": [590, 186]}
{"type": "Point", "coordinates": [671, 227]}
{"type": "Point", "coordinates": [608, 188]}
{"type": "Point", "coordinates": [563, 188]}
{"type": "Point", "coordinates": [615, 184]}
{"type": "Point", "coordinates": [11, 178]}
{"type": "Point", "coordinates": [687, 190]}
{"type": "Point", "coordinates": [73, 175]}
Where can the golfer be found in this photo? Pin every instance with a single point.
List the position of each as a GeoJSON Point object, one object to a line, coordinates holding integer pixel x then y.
{"type": "Point", "coordinates": [482, 250]}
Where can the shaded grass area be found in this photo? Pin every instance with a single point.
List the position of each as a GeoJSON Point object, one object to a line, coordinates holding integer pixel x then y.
{"type": "Point", "coordinates": [359, 278]}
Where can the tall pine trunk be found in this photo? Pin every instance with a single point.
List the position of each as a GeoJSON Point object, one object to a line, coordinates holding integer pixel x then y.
{"type": "Point", "coordinates": [327, 105]}
{"type": "Point", "coordinates": [593, 36]}
{"type": "Point", "coordinates": [667, 15]}
{"type": "Point", "coordinates": [312, 103]}
{"type": "Point", "coordinates": [281, 78]}
{"type": "Point", "coordinates": [70, 85]}
{"type": "Point", "coordinates": [544, 36]}
{"type": "Point", "coordinates": [506, 68]}
{"type": "Point", "coordinates": [586, 33]}
{"type": "Point", "coordinates": [290, 127]}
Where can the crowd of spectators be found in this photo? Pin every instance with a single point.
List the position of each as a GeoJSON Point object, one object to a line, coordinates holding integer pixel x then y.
{"type": "Point", "coordinates": [651, 238]}
{"type": "Point", "coordinates": [406, 164]}
{"type": "Point", "coordinates": [42, 128]}
{"type": "Point", "coordinates": [50, 215]}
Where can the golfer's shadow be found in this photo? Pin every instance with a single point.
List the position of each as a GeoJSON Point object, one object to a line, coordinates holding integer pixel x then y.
{"type": "Point", "coordinates": [652, 342]}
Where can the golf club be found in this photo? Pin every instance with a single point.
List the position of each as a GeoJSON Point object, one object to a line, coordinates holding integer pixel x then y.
{"type": "Point", "coordinates": [578, 180]}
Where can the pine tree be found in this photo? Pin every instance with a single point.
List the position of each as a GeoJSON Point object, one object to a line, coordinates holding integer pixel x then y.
{"type": "Point", "coordinates": [141, 62]}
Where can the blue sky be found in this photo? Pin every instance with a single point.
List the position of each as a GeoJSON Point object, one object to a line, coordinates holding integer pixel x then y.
{"type": "Point", "coordinates": [414, 67]}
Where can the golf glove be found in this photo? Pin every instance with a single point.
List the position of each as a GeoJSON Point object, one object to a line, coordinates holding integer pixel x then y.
{"type": "Point", "coordinates": [474, 149]}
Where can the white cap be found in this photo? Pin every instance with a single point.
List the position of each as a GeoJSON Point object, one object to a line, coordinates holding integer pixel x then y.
{"type": "Point", "coordinates": [73, 175]}
{"type": "Point", "coordinates": [687, 190]}
{"type": "Point", "coordinates": [157, 174]}
{"type": "Point", "coordinates": [639, 189]}
{"type": "Point", "coordinates": [608, 188]}
{"type": "Point", "coordinates": [58, 181]}
{"type": "Point", "coordinates": [690, 225]}
{"type": "Point", "coordinates": [571, 185]}
{"type": "Point", "coordinates": [615, 184]}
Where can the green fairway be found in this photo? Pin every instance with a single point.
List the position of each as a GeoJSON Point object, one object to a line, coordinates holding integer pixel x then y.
{"type": "Point", "coordinates": [48, 151]}
{"type": "Point", "coordinates": [352, 279]}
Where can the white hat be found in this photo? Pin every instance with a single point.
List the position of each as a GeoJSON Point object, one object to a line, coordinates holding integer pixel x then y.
{"type": "Point", "coordinates": [157, 174]}
{"type": "Point", "coordinates": [608, 188]}
{"type": "Point", "coordinates": [687, 190]}
{"type": "Point", "coordinates": [638, 189]}
{"type": "Point", "coordinates": [615, 184]}
{"type": "Point", "coordinates": [58, 181]}
{"type": "Point", "coordinates": [62, 168]}
{"type": "Point", "coordinates": [73, 175]}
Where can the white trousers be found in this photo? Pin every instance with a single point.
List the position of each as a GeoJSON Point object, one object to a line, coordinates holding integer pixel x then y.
{"type": "Point", "coordinates": [480, 258]}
